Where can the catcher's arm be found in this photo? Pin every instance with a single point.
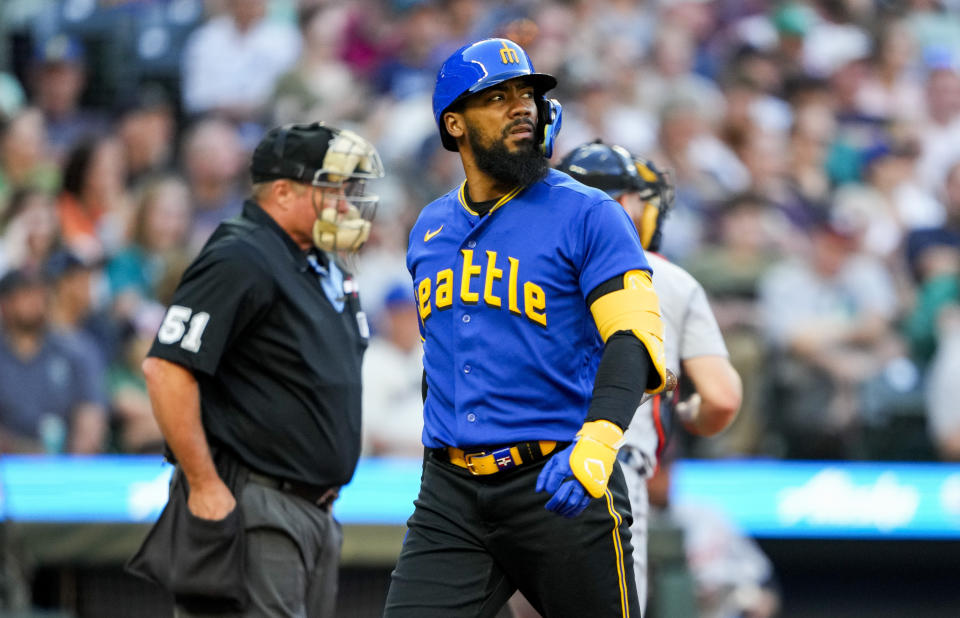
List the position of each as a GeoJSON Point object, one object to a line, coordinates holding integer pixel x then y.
{"type": "Point", "coordinates": [717, 397]}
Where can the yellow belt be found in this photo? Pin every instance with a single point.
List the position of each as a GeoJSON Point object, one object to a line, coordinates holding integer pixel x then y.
{"type": "Point", "coordinates": [482, 463]}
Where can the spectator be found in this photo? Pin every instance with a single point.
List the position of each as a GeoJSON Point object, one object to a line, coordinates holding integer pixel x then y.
{"type": "Point", "coordinates": [73, 309]}
{"type": "Point", "coordinates": [933, 256]}
{"type": "Point", "coordinates": [889, 204]}
{"type": "Point", "coordinates": [833, 40]}
{"type": "Point", "coordinates": [59, 77]}
{"type": "Point", "coordinates": [671, 76]}
{"type": "Point", "coordinates": [24, 156]}
{"type": "Point", "coordinates": [942, 393]}
{"type": "Point", "coordinates": [158, 251]}
{"type": "Point", "coordinates": [764, 153]}
{"type": "Point", "coordinates": [146, 128]}
{"type": "Point", "coordinates": [232, 62]}
{"type": "Point", "coordinates": [213, 161]}
{"type": "Point", "coordinates": [730, 267]}
{"type": "Point", "coordinates": [706, 168]}
{"type": "Point", "coordinates": [809, 185]}
{"type": "Point", "coordinates": [410, 70]}
{"type": "Point", "coordinates": [51, 399]}
{"type": "Point", "coordinates": [827, 316]}
{"type": "Point", "coordinates": [599, 113]}
{"type": "Point", "coordinates": [134, 428]}
{"type": "Point", "coordinates": [935, 27]}
{"type": "Point", "coordinates": [320, 85]}
{"type": "Point", "coordinates": [12, 97]}
{"type": "Point", "coordinates": [93, 205]}
{"type": "Point", "coordinates": [392, 399]}
{"type": "Point", "coordinates": [891, 89]}
{"type": "Point", "coordinates": [940, 134]}
{"type": "Point", "coordinates": [793, 21]}
{"type": "Point", "coordinates": [30, 231]}
{"type": "Point", "coordinates": [707, 172]}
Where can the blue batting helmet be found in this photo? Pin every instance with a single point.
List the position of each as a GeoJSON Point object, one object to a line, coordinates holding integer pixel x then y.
{"type": "Point", "coordinates": [486, 63]}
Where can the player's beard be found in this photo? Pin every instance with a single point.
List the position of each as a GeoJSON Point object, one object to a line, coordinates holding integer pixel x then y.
{"type": "Point", "coordinates": [520, 168]}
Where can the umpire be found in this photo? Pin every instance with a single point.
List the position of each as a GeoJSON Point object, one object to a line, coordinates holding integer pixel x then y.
{"type": "Point", "coordinates": [254, 379]}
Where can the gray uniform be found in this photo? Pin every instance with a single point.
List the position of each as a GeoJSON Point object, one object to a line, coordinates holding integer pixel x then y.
{"type": "Point", "coordinates": [690, 330]}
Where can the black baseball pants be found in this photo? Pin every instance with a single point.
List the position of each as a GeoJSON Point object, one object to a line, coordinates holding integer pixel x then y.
{"type": "Point", "coordinates": [473, 540]}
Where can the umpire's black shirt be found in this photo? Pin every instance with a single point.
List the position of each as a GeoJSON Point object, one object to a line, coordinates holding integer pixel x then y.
{"type": "Point", "coordinates": [278, 366]}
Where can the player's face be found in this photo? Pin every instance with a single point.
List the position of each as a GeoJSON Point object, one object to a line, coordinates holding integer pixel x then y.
{"type": "Point", "coordinates": [505, 114]}
{"type": "Point", "coordinates": [500, 125]}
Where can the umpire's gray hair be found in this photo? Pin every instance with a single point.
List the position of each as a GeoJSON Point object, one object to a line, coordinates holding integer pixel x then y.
{"type": "Point", "coordinates": [260, 189]}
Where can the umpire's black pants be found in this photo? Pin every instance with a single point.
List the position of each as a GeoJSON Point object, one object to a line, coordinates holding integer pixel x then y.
{"type": "Point", "coordinates": [473, 540]}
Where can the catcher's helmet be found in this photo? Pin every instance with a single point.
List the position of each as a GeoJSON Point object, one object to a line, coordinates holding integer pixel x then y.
{"type": "Point", "coordinates": [615, 171]}
{"type": "Point", "coordinates": [486, 63]}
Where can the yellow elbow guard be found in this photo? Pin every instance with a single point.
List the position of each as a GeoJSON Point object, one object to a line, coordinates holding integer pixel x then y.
{"type": "Point", "coordinates": [634, 308]}
{"type": "Point", "coordinates": [594, 455]}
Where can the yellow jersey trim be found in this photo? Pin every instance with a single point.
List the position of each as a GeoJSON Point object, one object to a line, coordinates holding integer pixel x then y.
{"type": "Point", "coordinates": [462, 198]}
{"type": "Point", "coordinates": [618, 552]}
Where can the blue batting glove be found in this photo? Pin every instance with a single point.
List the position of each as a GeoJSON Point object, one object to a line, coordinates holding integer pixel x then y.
{"type": "Point", "coordinates": [569, 498]}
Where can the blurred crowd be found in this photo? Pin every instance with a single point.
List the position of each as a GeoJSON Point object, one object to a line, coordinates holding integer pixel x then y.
{"type": "Point", "coordinates": [814, 145]}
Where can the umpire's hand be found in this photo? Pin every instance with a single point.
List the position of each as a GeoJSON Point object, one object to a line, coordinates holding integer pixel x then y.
{"type": "Point", "coordinates": [211, 500]}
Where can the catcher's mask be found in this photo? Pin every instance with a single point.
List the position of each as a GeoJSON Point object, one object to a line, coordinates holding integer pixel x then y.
{"type": "Point", "coordinates": [484, 64]}
{"type": "Point", "coordinates": [330, 160]}
{"type": "Point", "coordinates": [613, 170]}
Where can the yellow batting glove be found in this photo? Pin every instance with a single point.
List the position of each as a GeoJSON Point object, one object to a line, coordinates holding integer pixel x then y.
{"type": "Point", "coordinates": [594, 455]}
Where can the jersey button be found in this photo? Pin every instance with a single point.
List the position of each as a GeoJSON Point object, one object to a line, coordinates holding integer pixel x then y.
{"type": "Point", "coordinates": [466, 318]}
{"type": "Point", "coordinates": [472, 417]}
{"type": "Point", "coordinates": [467, 368]}
{"type": "Point", "coordinates": [471, 244]}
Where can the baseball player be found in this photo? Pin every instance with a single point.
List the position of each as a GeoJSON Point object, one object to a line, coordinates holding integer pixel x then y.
{"type": "Point", "coordinates": [693, 342]}
{"type": "Point", "coordinates": [541, 333]}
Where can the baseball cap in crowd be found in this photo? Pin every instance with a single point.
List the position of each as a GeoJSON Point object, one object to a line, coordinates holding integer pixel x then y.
{"type": "Point", "coordinates": [836, 225]}
{"type": "Point", "coordinates": [18, 279]}
{"type": "Point", "coordinates": [59, 48]}
{"type": "Point", "coordinates": [794, 19]}
{"type": "Point", "coordinates": [399, 296]}
{"type": "Point", "coordinates": [146, 98]}
{"type": "Point", "coordinates": [922, 240]}
{"type": "Point", "coordinates": [61, 264]}
{"type": "Point", "coordinates": [884, 148]}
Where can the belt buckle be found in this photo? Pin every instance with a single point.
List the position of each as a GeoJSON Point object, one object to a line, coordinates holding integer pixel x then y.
{"type": "Point", "coordinates": [468, 461]}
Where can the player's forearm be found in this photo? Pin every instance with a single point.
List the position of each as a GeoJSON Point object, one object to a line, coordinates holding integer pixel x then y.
{"type": "Point", "coordinates": [175, 397]}
{"type": "Point", "coordinates": [620, 382]}
{"type": "Point", "coordinates": [720, 390]}
{"type": "Point", "coordinates": [714, 417]}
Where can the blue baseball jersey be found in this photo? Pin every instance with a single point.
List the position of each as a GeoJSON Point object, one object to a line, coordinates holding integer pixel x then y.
{"type": "Point", "coordinates": [510, 347]}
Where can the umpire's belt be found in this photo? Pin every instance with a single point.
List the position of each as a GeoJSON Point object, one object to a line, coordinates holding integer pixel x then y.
{"type": "Point", "coordinates": [320, 496]}
{"type": "Point", "coordinates": [498, 460]}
